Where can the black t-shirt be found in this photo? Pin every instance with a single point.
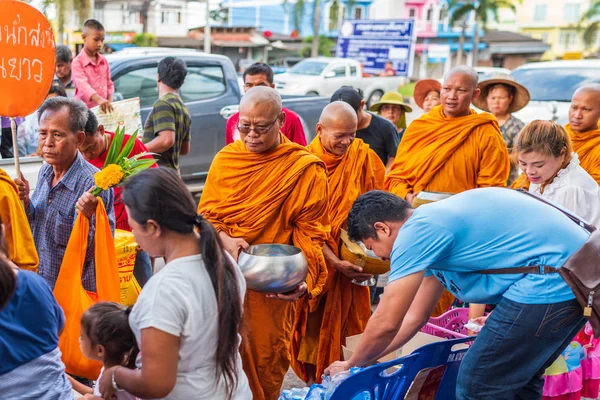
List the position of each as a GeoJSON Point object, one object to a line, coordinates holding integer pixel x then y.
{"type": "Point", "coordinates": [381, 136]}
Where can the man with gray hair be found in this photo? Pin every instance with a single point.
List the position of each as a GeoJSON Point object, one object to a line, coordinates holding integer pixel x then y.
{"type": "Point", "coordinates": [63, 189]}
{"type": "Point", "coordinates": [64, 58]}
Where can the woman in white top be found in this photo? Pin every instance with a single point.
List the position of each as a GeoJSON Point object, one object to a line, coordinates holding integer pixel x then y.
{"type": "Point", "coordinates": [186, 319]}
{"type": "Point", "coordinates": [544, 153]}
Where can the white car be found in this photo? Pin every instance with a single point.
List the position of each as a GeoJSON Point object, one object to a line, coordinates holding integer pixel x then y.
{"type": "Point", "coordinates": [551, 86]}
{"type": "Point", "coordinates": [324, 75]}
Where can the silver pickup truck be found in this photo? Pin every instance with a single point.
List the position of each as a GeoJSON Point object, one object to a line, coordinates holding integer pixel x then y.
{"type": "Point", "coordinates": [211, 93]}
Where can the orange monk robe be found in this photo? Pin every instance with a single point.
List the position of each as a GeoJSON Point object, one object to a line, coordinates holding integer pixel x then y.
{"type": "Point", "coordinates": [587, 147]}
{"type": "Point", "coordinates": [274, 197]}
{"type": "Point", "coordinates": [347, 307]}
{"type": "Point", "coordinates": [441, 154]}
{"type": "Point", "coordinates": [19, 240]}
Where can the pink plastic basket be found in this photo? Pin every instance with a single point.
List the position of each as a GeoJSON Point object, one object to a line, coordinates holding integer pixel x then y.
{"type": "Point", "coordinates": [450, 325]}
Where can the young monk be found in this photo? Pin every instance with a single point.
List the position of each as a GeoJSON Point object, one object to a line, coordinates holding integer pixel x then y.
{"type": "Point", "coordinates": [450, 149]}
{"type": "Point", "coordinates": [20, 247]}
{"type": "Point", "coordinates": [265, 189]}
{"type": "Point", "coordinates": [344, 308]}
{"type": "Point", "coordinates": [584, 129]}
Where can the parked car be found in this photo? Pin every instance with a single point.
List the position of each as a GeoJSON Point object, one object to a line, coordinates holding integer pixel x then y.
{"type": "Point", "coordinates": [551, 86]}
{"type": "Point", "coordinates": [324, 75]}
{"type": "Point", "coordinates": [487, 72]}
{"type": "Point", "coordinates": [211, 93]}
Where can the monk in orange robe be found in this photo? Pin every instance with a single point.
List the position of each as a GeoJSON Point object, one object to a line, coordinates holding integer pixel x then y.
{"type": "Point", "coordinates": [266, 189]}
{"type": "Point", "coordinates": [584, 128]}
{"type": "Point", "coordinates": [450, 149]}
{"type": "Point", "coordinates": [344, 308]}
{"type": "Point", "coordinates": [19, 240]}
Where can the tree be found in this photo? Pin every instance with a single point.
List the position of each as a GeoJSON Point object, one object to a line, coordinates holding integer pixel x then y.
{"type": "Point", "coordinates": [482, 9]}
{"type": "Point", "coordinates": [64, 8]}
{"type": "Point", "coordinates": [298, 15]}
{"type": "Point", "coordinates": [145, 40]}
{"type": "Point", "coordinates": [592, 19]}
{"type": "Point", "coordinates": [324, 49]}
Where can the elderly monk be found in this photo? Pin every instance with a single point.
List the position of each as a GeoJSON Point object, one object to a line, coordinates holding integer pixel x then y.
{"type": "Point", "coordinates": [63, 189]}
{"type": "Point", "coordinates": [19, 241]}
{"type": "Point", "coordinates": [266, 189]}
{"type": "Point", "coordinates": [584, 128]}
{"type": "Point", "coordinates": [450, 149]}
{"type": "Point", "coordinates": [344, 308]}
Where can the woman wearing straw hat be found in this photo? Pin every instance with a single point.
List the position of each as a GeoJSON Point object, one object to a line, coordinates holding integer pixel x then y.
{"type": "Point", "coordinates": [502, 95]}
{"type": "Point", "coordinates": [427, 94]}
{"type": "Point", "coordinates": [393, 108]}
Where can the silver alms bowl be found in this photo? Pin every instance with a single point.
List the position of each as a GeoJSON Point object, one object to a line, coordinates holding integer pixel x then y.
{"type": "Point", "coordinates": [273, 268]}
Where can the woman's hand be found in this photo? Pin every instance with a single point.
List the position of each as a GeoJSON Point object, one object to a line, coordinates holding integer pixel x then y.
{"type": "Point", "coordinates": [105, 384]}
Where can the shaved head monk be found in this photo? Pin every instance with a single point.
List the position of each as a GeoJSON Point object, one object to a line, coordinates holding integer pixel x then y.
{"type": "Point", "coordinates": [344, 308]}
{"type": "Point", "coordinates": [584, 128]}
{"type": "Point", "coordinates": [266, 189]}
{"type": "Point", "coordinates": [450, 149]}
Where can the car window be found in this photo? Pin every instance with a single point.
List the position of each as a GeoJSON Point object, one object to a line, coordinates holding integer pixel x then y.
{"type": "Point", "coordinates": [308, 68]}
{"type": "Point", "coordinates": [139, 83]}
{"type": "Point", "coordinates": [564, 82]}
{"type": "Point", "coordinates": [203, 83]}
{"type": "Point", "coordinates": [353, 71]}
{"type": "Point", "coordinates": [339, 71]}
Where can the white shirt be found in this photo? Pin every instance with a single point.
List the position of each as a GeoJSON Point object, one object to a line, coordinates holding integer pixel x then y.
{"type": "Point", "coordinates": [574, 189]}
{"type": "Point", "coordinates": [180, 300]}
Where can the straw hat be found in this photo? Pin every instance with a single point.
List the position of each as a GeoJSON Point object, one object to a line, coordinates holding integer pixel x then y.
{"type": "Point", "coordinates": [391, 98]}
{"type": "Point", "coordinates": [423, 87]}
{"type": "Point", "coordinates": [520, 99]}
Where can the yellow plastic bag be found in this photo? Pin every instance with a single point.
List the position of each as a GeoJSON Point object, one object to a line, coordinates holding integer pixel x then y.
{"type": "Point", "coordinates": [126, 249]}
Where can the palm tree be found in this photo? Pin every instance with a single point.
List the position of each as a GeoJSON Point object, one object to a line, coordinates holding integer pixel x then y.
{"type": "Point", "coordinates": [592, 18]}
{"type": "Point", "coordinates": [482, 9]}
{"type": "Point", "coordinates": [298, 15]}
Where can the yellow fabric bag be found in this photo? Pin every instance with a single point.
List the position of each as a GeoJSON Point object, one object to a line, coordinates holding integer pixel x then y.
{"type": "Point", "coordinates": [71, 295]}
{"type": "Point", "coordinates": [126, 250]}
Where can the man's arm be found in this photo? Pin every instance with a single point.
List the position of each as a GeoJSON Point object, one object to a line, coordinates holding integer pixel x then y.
{"type": "Point", "coordinates": [185, 148]}
{"type": "Point", "coordinates": [80, 80]}
{"type": "Point", "coordinates": [429, 294]}
{"type": "Point", "coordinates": [384, 325]}
{"type": "Point", "coordinates": [163, 141]}
{"type": "Point", "coordinates": [494, 165]}
{"type": "Point", "coordinates": [389, 164]}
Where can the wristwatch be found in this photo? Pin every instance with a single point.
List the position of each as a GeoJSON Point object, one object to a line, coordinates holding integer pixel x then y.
{"type": "Point", "coordinates": [114, 382]}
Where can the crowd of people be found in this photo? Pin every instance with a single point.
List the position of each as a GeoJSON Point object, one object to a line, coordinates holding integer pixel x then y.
{"type": "Point", "coordinates": [196, 332]}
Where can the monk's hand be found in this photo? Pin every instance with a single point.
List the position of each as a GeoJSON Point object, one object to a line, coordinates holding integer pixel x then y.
{"type": "Point", "coordinates": [411, 197]}
{"type": "Point", "coordinates": [233, 245]}
{"type": "Point", "coordinates": [23, 187]}
{"type": "Point", "coordinates": [352, 271]}
{"type": "Point", "coordinates": [291, 296]}
{"type": "Point", "coordinates": [337, 367]}
{"type": "Point", "coordinates": [87, 204]}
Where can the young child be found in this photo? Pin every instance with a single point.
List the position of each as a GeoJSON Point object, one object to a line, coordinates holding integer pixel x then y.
{"type": "Point", "coordinates": [107, 337]}
{"type": "Point", "coordinates": [90, 69]}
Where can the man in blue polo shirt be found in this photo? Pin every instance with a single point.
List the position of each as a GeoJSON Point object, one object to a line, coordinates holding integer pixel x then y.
{"type": "Point", "coordinates": [443, 245]}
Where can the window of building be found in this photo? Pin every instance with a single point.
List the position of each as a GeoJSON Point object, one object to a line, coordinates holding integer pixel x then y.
{"type": "Point", "coordinates": [567, 40]}
{"type": "Point", "coordinates": [179, 17]}
{"type": "Point", "coordinates": [571, 12]}
{"type": "Point", "coordinates": [163, 17]}
{"type": "Point", "coordinates": [358, 12]}
{"type": "Point", "coordinates": [443, 14]}
{"type": "Point", "coordinates": [203, 83]}
{"type": "Point", "coordinates": [429, 15]}
{"type": "Point", "coordinates": [545, 36]}
{"type": "Point", "coordinates": [540, 13]}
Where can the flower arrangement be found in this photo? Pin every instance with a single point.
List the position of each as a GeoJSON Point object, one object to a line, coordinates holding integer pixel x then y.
{"type": "Point", "coordinates": [117, 166]}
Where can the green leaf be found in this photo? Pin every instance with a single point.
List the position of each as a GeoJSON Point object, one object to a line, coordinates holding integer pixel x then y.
{"type": "Point", "coordinates": [115, 146]}
{"type": "Point", "coordinates": [127, 148]}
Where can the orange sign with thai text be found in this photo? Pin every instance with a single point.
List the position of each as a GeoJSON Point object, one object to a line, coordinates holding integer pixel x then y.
{"type": "Point", "coordinates": [27, 58]}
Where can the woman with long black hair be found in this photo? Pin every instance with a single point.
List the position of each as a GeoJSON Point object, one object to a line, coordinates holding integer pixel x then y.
{"type": "Point", "coordinates": [186, 319]}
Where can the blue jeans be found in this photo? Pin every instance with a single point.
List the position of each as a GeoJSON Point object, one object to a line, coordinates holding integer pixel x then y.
{"type": "Point", "coordinates": [142, 270]}
{"type": "Point", "coordinates": [517, 344]}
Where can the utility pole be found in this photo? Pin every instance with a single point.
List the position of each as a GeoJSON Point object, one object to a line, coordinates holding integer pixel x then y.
{"type": "Point", "coordinates": [207, 38]}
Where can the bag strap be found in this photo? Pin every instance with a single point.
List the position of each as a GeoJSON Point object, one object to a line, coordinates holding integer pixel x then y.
{"type": "Point", "coordinates": [539, 269]}
{"type": "Point", "coordinates": [573, 217]}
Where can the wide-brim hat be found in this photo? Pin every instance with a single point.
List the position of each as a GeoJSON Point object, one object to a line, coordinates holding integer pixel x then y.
{"type": "Point", "coordinates": [422, 89]}
{"type": "Point", "coordinates": [391, 98]}
{"type": "Point", "coordinates": [520, 99]}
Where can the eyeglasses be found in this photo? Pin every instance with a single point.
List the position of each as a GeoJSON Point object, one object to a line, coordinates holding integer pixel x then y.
{"type": "Point", "coordinates": [261, 130]}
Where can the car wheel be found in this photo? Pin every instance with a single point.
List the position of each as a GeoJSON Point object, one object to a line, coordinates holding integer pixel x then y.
{"type": "Point", "coordinates": [312, 93]}
{"type": "Point", "coordinates": [374, 98]}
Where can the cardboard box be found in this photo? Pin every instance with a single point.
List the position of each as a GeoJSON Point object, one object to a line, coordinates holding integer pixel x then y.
{"type": "Point", "coordinates": [420, 340]}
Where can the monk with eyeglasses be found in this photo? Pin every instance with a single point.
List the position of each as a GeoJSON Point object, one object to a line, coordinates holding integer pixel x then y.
{"type": "Point", "coordinates": [265, 189]}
